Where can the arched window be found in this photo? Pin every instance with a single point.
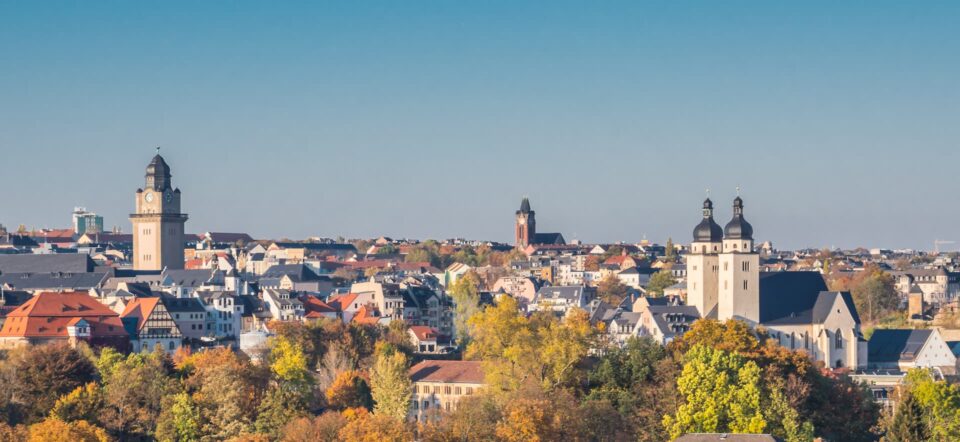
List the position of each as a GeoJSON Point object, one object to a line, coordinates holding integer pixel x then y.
{"type": "Point", "coordinates": [838, 340]}
{"type": "Point", "coordinates": [793, 340]}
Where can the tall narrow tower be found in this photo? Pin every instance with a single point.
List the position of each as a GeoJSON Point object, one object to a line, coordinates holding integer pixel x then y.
{"type": "Point", "coordinates": [158, 238]}
{"type": "Point", "coordinates": [703, 264]}
{"type": "Point", "coordinates": [526, 225]}
{"type": "Point", "coordinates": [739, 270]}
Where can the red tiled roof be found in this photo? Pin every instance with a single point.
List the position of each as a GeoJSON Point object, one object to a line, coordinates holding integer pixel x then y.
{"type": "Point", "coordinates": [48, 314]}
{"type": "Point", "coordinates": [424, 333]}
{"type": "Point", "coordinates": [454, 372]}
{"type": "Point", "coordinates": [366, 315]}
{"type": "Point", "coordinates": [315, 307]}
{"type": "Point", "coordinates": [140, 308]}
{"type": "Point", "coordinates": [340, 302]}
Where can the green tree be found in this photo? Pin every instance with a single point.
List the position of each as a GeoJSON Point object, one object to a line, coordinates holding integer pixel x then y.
{"type": "Point", "coordinates": [466, 299]}
{"type": "Point", "coordinates": [390, 384]}
{"type": "Point", "coordinates": [722, 394]}
{"type": "Point", "coordinates": [909, 423]}
{"type": "Point", "coordinates": [875, 295]}
{"type": "Point", "coordinates": [659, 282]}
{"type": "Point", "coordinates": [179, 419]}
{"type": "Point", "coordinates": [290, 394]}
{"type": "Point", "coordinates": [670, 251]}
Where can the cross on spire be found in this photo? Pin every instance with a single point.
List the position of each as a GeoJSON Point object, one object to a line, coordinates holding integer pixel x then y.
{"type": "Point", "coordinates": [158, 150]}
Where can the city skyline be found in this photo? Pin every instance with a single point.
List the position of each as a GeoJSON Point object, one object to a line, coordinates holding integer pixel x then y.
{"type": "Point", "coordinates": [433, 120]}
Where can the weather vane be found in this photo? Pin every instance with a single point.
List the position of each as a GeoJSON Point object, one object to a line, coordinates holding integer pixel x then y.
{"type": "Point", "coordinates": [708, 192]}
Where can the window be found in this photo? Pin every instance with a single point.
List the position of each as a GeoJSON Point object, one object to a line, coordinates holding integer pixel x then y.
{"type": "Point", "coordinates": [838, 340]}
{"type": "Point", "coordinates": [744, 284]}
{"type": "Point", "coordinates": [726, 266]}
{"type": "Point", "coordinates": [793, 340]}
{"type": "Point", "coordinates": [447, 390]}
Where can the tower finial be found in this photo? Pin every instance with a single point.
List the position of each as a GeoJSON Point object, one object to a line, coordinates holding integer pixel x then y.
{"type": "Point", "coordinates": [708, 192]}
{"type": "Point", "coordinates": [158, 150]}
{"type": "Point", "coordinates": [738, 190]}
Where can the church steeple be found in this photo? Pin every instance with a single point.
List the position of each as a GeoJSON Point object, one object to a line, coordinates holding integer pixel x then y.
{"type": "Point", "coordinates": [738, 227]}
{"type": "Point", "coordinates": [525, 227]}
{"type": "Point", "coordinates": [708, 230]}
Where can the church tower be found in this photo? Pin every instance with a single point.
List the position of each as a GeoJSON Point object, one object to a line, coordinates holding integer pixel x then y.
{"type": "Point", "coordinates": [525, 230]}
{"type": "Point", "coordinates": [739, 270]}
{"type": "Point", "coordinates": [703, 264]}
{"type": "Point", "coordinates": [158, 237]}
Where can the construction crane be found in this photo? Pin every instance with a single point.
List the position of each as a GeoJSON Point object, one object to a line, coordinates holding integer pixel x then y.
{"type": "Point", "coordinates": [936, 245]}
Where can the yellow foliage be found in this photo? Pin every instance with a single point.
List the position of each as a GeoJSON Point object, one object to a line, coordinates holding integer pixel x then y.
{"type": "Point", "coordinates": [56, 430]}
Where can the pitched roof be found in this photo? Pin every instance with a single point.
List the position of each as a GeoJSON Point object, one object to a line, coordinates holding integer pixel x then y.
{"type": "Point", "coordinates": [451, 372]}
{"type": "Point", "coordinates": [340, 302]}
{"type": "Point", "coordinates": [140, 308]}
{"type": "Point", "coordinates": [424, 333]}
{"type": "Point", "coordinates": [53, 280]}
{"type": "Point", "coordinates": [315, 307]}
{"type": "Point", "coordinates": [548, 238]}
{"type": "Point", "coordinates": [56, 262]}
{"type": "Point", "coordinates": [787, 294]}
{"type": "Point", "coordinates": [296, 272]}
{"type": "Point", "coordinates": [366, 315]}
{"type": "Point", "coordinates": [48, 314]}
{"type": "Point", "coordinates": [894, 345]}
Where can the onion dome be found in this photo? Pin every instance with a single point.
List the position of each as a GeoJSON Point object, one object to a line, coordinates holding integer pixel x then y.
{"type": "Point", "coordinates": [708, 230]}
{"type": "Point", "coordinates": [738, 228]}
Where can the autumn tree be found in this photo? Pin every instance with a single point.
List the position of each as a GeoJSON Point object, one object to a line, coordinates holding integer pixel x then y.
{"type": "Point", "coordinates": [611, 290]}
{"type": "Point", "coordinates": [349, 390]}
{"type": "Point", "coordinates": [83, 403]}
{"type": "Point", "coordinates": [659, 282]}
{"type": "Point", "coordinates": [390, 384]}
{"type": "Point", "coordinates": [515, 350]}
{"type": "Point", "coordinates": [730, 336]}
{"type": "Point", "coordinates": [323, 428]}
{"type": "Point", "coordinates": [670, 250]}
{"type": "Point", "coordinates": [227, 390]}
{"type": "Point", "coordinates": [56, 430]}
{"type": "Point", "coordinates": [42, 374]}
{"type": "Point", "coordinates": [132, 392]}
{"type": "Point", "coordinates": [362, 426]}
{"type": "Point", "coordinates": [290, 393]}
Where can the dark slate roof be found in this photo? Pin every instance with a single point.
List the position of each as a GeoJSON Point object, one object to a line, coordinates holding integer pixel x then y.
{"type": "Point", "coordinates": [674, 320]}
{"type": "Point", "coordinates": [893, 345]}
{"type": "Point", "coordinates": [571, 293]}
{"type": "Point", "coordinates": [182, 305]}
{"type": "Point", "coordinates": [787, 294]}
{"type": "Point", "coordinates": [53, 280]}
{"type": "Point", "coordinates": [251, 305]}
{"type": "Point", "coordinates": [14, 298]}
{"type": "Point", "coordinates": [548, 238]}
{"type": "Point", "coordinates": [29, 263]}
{"type": "Point", "coordinates": [316, 246]}
{"type": "Point", "coordinates": [296, 272]}
{"type": "Point", "coordinates": [419, 296]}
{"type": "Point", "coordinates": [738, 227]}
{"type": "Point", "coordinates": [190, 278]}
{"type": "Point", "coordinates": [524, 206]}
{"type": "Point", "coordinates": [18, 241]}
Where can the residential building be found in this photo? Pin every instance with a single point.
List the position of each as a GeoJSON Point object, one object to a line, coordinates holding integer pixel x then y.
{"type": "Point", "coordinates": [151, 325]}
{"type": "Point", "coordinates": [438, 386]}
{"type": "Point", "coordinates": [560, 299]}
{"type": "Point", "coordinates": [68, 317]}
{"type": "Point", "coordinates": [900, 349]}
{"type": "Point", "coordinates": [424, 339]}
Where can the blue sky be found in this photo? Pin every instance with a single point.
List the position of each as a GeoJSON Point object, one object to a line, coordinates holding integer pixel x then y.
{"type": "Point", "coordinates": [840, 120]}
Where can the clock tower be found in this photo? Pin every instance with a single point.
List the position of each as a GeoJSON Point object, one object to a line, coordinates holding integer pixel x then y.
{"type": "Point", "coordinates": [158, 237]}
{"type": "Point", "coordinates": [525, 227]}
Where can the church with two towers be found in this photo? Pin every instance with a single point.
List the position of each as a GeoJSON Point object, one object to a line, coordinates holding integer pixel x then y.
{"type": "Point", "coordinates": [724, 281]}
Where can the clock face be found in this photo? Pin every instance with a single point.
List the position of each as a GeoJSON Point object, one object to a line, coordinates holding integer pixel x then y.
{"type": "Point", "coordinates": [149, 197]}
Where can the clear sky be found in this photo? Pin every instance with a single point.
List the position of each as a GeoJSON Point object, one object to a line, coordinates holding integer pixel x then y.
{"type": "Point", "coordinates": [840, 120]}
